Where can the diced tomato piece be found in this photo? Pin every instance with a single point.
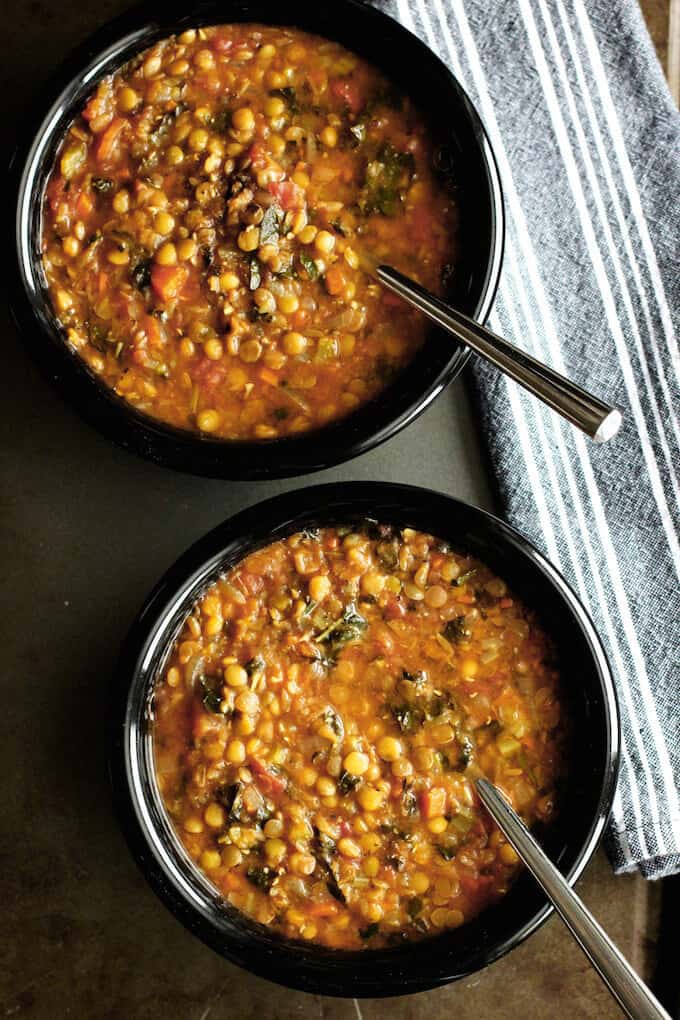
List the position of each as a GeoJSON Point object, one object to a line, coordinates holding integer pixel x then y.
{"type": "Point", "coordinates": [253, 583]}
{"type": "Point", "coordinates": [433, 802]}
{"type": "Point", "coordinates": [154, 331]}
{"type": "Point", "coordinates": [269, 376]}
{"type": "Point", "coordinates": [209, 83]}
{"type": "Point", "coordinates": [209, 373]}
{"type": "Point", "coordinates": [121, 301]}
{"type": "Point", "coordinates": [349, 92]}
{"type": "Point", "coordinates": [395, 609]}
{"type": "Point", "coordinates": [497, 680]}
{"type": "Point", "coordinates": [475, 883]}
{"type": "Point", "coordinates": [222, 43]}
{"type": "Point", "coordinates": [335, 279]}
{"type": "Point", "coordinates": [267, 781]}
{"type": "Point", "coordinates": [317, 78]}
{"type": "Point", "coordinates": [55, 192]}
{"type": "Point", "coordinates": [84, 205]}
{"type": "Point", "coordinates": [421, 225]}
{"type": "Point", "coordinates": [392, 300]}
{"type": "Point", "coordinates": [287, 194]}
{"type": "Point", "coordinates": [258, 156]}
{"type": "Point", "coordinates": [205, 723]}
{"type": "Point", "coordinates": [327, 908]}
{"type": "Point", "coordinates": [106, 142]}
{"type": "Point", "coordinates": [167, 281]}
{"type": "Point", "coordinates": [96, 107]}
{"type": "Point", "coordinates": [384, 639]}
{"type": "Point", "coordinates": [233, 881]}
{"type": "Point", "coordinates": [140, 356]}
{"type": "Point", "coordinates": [141, 189]}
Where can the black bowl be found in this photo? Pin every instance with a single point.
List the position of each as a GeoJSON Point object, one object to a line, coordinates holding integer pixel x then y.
{"type": "Point", "coordinates": [465, 156]}
{"type": "Point", "coordinates": [570, 841]}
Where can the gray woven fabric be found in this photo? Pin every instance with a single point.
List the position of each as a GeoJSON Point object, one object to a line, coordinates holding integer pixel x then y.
{"type": "Point", "coordinates": [588, 145]}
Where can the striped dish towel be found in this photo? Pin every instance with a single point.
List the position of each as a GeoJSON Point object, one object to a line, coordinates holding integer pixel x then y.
{"type": "Point", "coordinates": [588, 144]}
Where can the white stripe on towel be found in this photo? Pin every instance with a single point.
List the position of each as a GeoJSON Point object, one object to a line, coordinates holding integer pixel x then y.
{"type": "Point", "coordinates": [619, 148]}
{"type": "Point", "coordinates": [620, 219]}
{"type": "Point", "coordinates": [613, 251]}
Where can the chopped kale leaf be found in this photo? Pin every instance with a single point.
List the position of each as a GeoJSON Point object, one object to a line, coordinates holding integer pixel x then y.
{"type": "Point", "coordinates": [409, 801]}
{"type": "Point", "coordinates": [465, 577]}
{"type": "Point", "coordinates": [333, 720]}
{"type": "Point", "coordinates": [417, 679]}
{"type": "Point", "coordinates": [141, 274]}
{"type": "Point", "coordinates": [359, 133]}
{"type": "Point", "coordinates": [407, 717]}
{"type": "Point", "coordinates": [309, 265]}
{"type": "Point", "coordinates": [324, 850]}
{"type": "Point", "coordinates": [263, 878]}
{"type": "Point", "coordinates": [414, 907]}
{"type": "Point", "coordinates": [269, 227]}
{"type": "Point", "coordinates": [348, 629]}
{"type": "Point", "coordinates": [255, 274]}
{"type": "Point", "coordinates": [347, 782]}
{"type": "Point", "coordinates": [102, 184]}
{"type": "Point", "coordinates": [386, 177]}
{"type": "Point", "coordinates": [230, 797]}
{"type": "Point", "coordinates": [220, 122]}
{"type": "Point", "coordinates": [211, 695]}
{"type": "Point", "coordinates": [289, 96]}
{"type": "Point", "coordinates": [455, 630]}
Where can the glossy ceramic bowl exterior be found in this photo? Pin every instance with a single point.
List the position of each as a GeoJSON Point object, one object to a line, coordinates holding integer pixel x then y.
{"type": "Point", "coordinates": [464, 153]}
{"type": "Point", "coordinates": [584, 803]}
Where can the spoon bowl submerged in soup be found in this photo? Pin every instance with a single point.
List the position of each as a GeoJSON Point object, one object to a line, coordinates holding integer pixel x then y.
{"type": "Point", "coordinates": [203, 225]}
{"type": "Point", "coordinates": [320, 722]}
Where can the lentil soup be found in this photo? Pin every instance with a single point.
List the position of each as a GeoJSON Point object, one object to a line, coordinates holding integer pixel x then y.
{"type": "Point", "coordinates": [321, 719]}
{"type": "Point", "coordinates": [204, 225]}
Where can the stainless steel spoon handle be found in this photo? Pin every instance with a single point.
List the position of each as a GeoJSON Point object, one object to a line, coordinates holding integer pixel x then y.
{"type": "Point", "coordinates": [631, 992]}
{"type": "Point", "coordinates": [597, 419]}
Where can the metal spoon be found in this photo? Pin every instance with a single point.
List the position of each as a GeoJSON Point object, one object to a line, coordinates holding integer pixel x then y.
{"type": "Point", "coordinates": [624, 984]}
{"type": "Point", "coordinates": [597, 419]}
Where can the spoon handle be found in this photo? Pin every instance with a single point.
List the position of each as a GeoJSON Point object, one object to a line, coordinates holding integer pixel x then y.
{"type": "Point", "coordinates": [597, 419]}
{"type": "Point", "coordinates": [624, 984]}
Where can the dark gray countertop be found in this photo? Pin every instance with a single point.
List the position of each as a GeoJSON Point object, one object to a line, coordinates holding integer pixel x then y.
{"type": "Point", "coordinates": [86, 529]}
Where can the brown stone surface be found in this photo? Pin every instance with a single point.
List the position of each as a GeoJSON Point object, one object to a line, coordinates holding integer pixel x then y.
{"type": "Point", "coordinates": [656, 14]}
{"type": "Point", "coordinates": [86, 530]}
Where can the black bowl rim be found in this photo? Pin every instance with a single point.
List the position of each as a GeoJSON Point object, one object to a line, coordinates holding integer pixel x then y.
{"type": "Point", "coordinates": [110, 415]}
{"type": "Point", "coordinates": [281, 514]}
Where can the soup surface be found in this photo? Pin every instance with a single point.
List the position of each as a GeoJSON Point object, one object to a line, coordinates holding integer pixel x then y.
{"type": "Point", "coordinates": [205, 225]}
{"type": "Point", "coordinates": [321, 720]}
